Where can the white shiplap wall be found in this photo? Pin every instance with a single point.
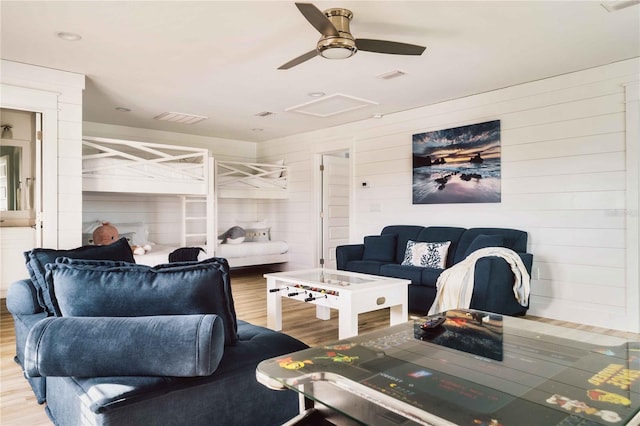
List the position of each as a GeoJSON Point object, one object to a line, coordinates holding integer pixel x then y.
{"type": "Point", "coordinates": [566, 167]}
{"type": "Point", "coordinates": [162, 214]}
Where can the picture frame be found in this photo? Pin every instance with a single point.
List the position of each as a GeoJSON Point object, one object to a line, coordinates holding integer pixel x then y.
{"type": "Point", "coordinates": [458, 165]}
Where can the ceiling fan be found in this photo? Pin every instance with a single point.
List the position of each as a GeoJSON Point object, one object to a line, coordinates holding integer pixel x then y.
{"type": "Point", "coordinates": [338, 43]}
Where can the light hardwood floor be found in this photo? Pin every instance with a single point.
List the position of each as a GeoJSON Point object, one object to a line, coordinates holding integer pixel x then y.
{"type": "Point", "coordinates": [18, 406]}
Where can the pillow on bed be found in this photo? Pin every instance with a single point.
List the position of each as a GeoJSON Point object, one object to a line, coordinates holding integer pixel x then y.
{"type": "Point", "coordinates": [138, 230]}
{"type": "Point", "coordinates": [137, 233]}
{"type": "Point", "coordinates": [257, 235]}
{"type": "Point", "coordinates": [256, 224]}
{"type": "Point", "coordinates": [233, 235]}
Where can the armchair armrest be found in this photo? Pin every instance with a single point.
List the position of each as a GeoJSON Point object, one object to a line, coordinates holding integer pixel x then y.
{"type": "Point", "coordinates": [22, 298]}
{"type": "Point", "coordinates": [168, 345]}
{"type": "Point", "coordinates": [493, 286]}
{"type": "Point", "coordinates": [347, 253]}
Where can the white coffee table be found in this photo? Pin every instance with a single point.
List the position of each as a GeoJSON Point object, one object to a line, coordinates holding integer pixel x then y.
{"type": "Point", "coordinates": [349, 292]}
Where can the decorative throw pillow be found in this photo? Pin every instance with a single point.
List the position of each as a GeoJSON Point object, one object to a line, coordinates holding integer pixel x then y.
{"type": "Point", "coordinates": [174, 345]}
{"type": "Point", "coordinates": [233, 235]}
{"type": "Point", "coordinates": [36, 260]}
{"type": "Point", "coordinates": [484, 241]}
{"type": "Point", "coordinates": [429, 255]}
{"type": "Point", "coordinates": [256, 224]}
{"type": "Point", "coordinates": [137, 231]}
{"type": "Point", "coordinates": [105, 289]}
{"type": "Point", "coordinates": [256, 235]}
{"type": "Point", "coordinates": [381, 248]}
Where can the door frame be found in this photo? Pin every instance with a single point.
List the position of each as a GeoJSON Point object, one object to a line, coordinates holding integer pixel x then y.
{"type": "Point", "coordinates": [342, 146]}
{"type": "Point", "coordinates": [46, 104]}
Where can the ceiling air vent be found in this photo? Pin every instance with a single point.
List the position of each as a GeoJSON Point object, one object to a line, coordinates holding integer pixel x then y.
{"type": "Point", "coordinates": [264, 114]}
{"type": "Point", "coordinates": [178, 117]}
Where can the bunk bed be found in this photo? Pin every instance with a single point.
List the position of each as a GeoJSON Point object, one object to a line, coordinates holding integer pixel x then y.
{"type": "Point", "coordinates": [251, 180]}
{"type": "Point", "coordinates": [122, 166]}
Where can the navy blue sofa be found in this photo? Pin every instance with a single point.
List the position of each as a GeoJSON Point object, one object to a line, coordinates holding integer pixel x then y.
{"type": "Point", "coordinates": [493, 286]}
{"type": "Point", "coordinates": [180, 358]}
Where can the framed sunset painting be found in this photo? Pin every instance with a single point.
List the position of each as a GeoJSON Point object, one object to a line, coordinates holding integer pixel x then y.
{"type": "Point", "coordinates": [457, 165]}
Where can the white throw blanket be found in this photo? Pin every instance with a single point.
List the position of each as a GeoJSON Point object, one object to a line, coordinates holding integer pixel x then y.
{"type": "Point", "coordinates": [455, 285]}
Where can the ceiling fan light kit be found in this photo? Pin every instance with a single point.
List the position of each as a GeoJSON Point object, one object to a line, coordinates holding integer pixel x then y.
{"type": "Point", "coordinates": [336, 41]}
{"type": "Point", "coordinates": [343, 46]}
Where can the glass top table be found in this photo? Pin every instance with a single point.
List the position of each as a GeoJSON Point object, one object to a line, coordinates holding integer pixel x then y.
{"type": "Point", "coordinates": [350, 293]}
{"type": "Point", "coordinates": [475, 368]}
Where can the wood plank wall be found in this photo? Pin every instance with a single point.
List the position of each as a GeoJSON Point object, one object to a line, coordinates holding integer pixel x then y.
{"type": "Point", "coordinates": [564, 172]}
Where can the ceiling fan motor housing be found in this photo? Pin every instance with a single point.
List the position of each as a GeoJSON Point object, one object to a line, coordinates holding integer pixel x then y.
{"type": "Point", "coordinates": [344, 45]}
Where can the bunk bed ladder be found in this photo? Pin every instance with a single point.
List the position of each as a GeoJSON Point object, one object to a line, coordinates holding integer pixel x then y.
{"type": "Point", "coordinates": [194, 220]}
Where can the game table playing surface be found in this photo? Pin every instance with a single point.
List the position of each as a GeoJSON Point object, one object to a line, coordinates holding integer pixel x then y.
{"type": "Point", "coordinates": [476, 368]}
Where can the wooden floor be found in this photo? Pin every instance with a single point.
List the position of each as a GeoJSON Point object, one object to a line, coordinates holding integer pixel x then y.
{"type": "Point", "coordinates": [18, 406]}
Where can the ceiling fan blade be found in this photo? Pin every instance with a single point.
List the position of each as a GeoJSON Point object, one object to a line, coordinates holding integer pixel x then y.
{"type": "Point", "coordinates": [300, 59]}
{"type": "Point", "coordinates": [392, 47]}
{"type": "Point", "coordinates": [317, 19]}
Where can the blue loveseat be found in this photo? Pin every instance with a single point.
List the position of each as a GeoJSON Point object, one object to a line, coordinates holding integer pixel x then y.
{"type": "Point", "coordinates": [108, 342]}
{"type": "Point", "coordinates": [493, 285]}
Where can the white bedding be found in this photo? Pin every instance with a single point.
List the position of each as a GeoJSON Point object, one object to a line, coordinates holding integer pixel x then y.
{"type": "Point", "coordinates": [244, 254]}
{"type": "Point", "coordinates": [231, 251]}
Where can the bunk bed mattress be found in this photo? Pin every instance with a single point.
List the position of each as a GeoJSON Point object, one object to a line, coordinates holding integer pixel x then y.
{"type": "Point", "coordinates": [160, 253]}
{"type": "Point", "coordinates": [246, 249]}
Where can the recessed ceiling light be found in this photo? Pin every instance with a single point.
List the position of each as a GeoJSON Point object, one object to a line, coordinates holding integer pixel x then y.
{"type": "Point", "coordinates": [68, 36]}
{"type": "Point", "coordinates": [391, 74]}
{"type": "Point", "coordinates": [316, 94]}
{"type": "Point", "coordinates": [123, 109]}
{"type": "Point", "coordinates": [378, 115]}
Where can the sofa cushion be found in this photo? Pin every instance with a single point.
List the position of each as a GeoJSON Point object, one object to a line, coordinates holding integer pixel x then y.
{"type": "Point", "coordinates": [380, 247]}
{"type": "Point", "coordinates": [37, 258]}
{"type": "Point", "coordinates": [413, 273]}
{"type": "Point", "coordinates": [80, 288]}
{"type": "Point", "coordinates": [429, 255]}
{"type": "Point", "coordinates": [430, 276]}
{"type": "Point", "coordinates": [432, 234]}
{"type": "Point", "coordinates": [483, 241]}
{"type": "Point", "coordinates": [514, 239]}
{"type": "Point", "coordinates": [404, 233]}
{"type": "Point", "coordinates": [365, 266]}
{"type": "Point", "coordinates": [167, 345]}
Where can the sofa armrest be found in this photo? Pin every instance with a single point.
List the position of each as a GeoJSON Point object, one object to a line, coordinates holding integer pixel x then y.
{"type": "Point", "coordinates": [22, 298]}
{"type": "Point", "coordinates": [347, 253]}
{"type": "Point", "coordinates": [493, 286]}
{"type": "Point", "coordinates": [168, 345]}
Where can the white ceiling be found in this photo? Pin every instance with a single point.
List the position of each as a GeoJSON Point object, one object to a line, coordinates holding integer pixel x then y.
{"type": "Point", "coordinates": [219, 58]}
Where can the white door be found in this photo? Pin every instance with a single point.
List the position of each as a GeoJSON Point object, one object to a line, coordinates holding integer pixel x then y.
{"type": "Point", "coordinates": [335, 205]}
